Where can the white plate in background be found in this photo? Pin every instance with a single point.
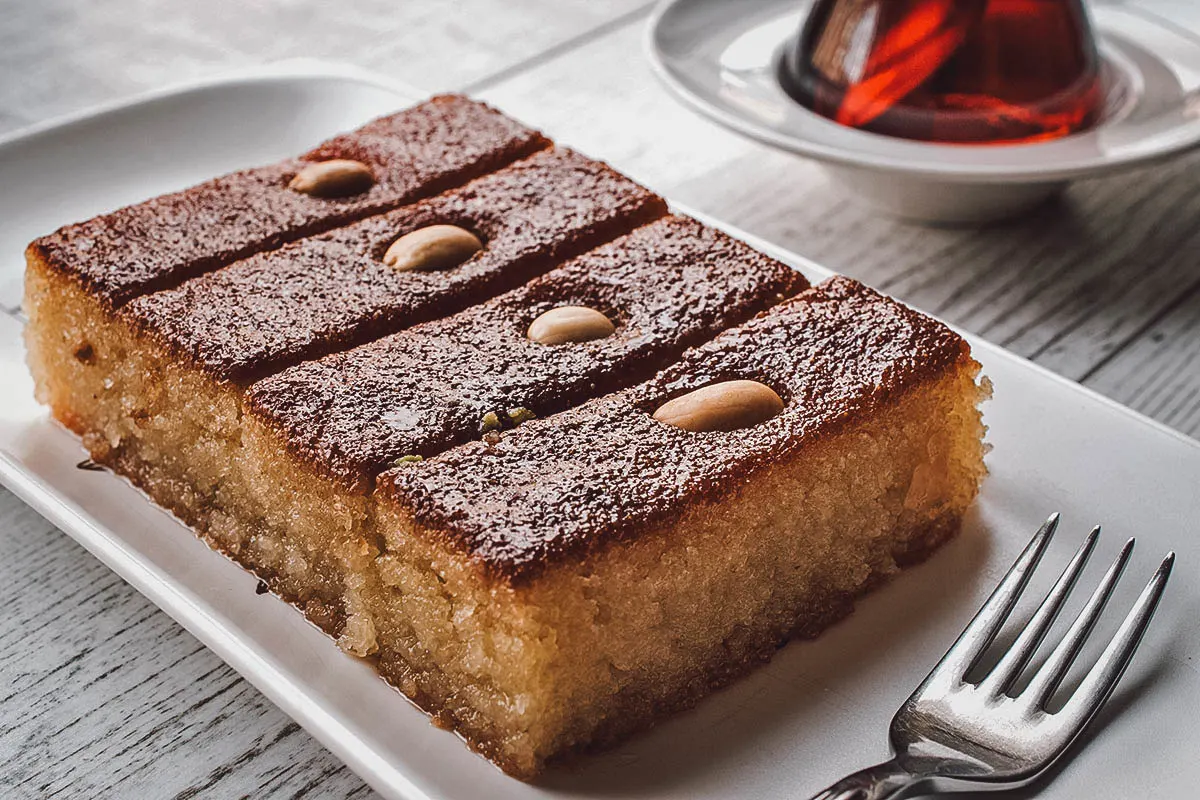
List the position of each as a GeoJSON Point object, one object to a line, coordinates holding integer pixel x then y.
{"type": "Point", "coordinates": [819, 710]}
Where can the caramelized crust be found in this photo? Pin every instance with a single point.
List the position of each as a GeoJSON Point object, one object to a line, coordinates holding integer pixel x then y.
{"type": "Point", "coordinates": [669, 285]}
{"type": "Point", "coordinates": [415, 153]}
{"type": "Point", "coordinates": [333, 291]}
{"type": "Point", "coordinates": [553, 490]}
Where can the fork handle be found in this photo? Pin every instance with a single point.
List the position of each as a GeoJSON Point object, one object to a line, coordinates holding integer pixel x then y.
{"type": "Point", "coordinates": [886, 781]}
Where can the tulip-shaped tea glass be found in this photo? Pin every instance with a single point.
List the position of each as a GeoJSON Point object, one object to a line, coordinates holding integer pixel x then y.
{"type": "Point", "coordinates": [965, 71]}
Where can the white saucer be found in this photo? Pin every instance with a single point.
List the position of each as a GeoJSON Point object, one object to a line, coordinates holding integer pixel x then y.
{"type": "Point", "coordinates": [721, 59]}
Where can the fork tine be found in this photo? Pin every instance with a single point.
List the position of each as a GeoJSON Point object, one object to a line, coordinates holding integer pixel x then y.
{"type": "Point", "coordinates": [1103, 677]}
{"type": "Point", "coordinates": [1047, 679]}
{"type": "Point", "coordinates": [980, 632]}
{"type": "Point", "coordinates": [1018, 655]}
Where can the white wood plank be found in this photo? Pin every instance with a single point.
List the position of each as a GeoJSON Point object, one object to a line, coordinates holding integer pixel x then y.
{"type": "Point", "coordinates": [102, 695]}
{"type": "Point", "coordinates": [1159, 374]}
{"type": "Point", "coordinates": [59, 56]}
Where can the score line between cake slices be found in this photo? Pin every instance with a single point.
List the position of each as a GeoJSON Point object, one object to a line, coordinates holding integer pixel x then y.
{"type": "Point", "coordinates": [539, 591]}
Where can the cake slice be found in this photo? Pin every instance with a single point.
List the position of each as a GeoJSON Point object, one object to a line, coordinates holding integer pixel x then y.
{"type": "Point", "coordinates": [587, 573]}
{"type": "Point", "coordinates": [438, 144]}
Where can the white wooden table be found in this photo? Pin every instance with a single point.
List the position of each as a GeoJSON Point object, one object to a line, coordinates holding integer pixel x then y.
{"type": "Point", "coordinates": [102, 695]}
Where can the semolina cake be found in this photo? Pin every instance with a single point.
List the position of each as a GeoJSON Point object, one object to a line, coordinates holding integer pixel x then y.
{"type": "Point", "coordinates": [559, 461]}
{"type": "Point", "coordinates": [577, 577]}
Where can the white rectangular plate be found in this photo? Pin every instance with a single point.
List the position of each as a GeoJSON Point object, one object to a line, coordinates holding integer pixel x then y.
{"type": "Point", "coordinates": [820, 709]}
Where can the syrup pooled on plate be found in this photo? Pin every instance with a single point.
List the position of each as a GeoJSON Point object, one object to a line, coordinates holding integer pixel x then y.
{"type": "Point", "coordinates": [966, 71]}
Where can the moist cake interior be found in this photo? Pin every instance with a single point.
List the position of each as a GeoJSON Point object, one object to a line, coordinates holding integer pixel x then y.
{"type": "Point", "coordinates": [537, 589]}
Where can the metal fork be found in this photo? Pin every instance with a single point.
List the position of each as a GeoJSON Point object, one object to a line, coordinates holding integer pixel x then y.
{"type": "Point", "coordinates": [953, 736]}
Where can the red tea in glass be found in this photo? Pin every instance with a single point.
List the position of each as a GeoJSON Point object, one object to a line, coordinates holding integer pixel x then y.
{"type": "Point", "coordinates": [967, 71]}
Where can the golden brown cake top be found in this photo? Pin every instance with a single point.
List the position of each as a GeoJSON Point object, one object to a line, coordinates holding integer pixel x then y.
{"type": "Point", "coordinates": [666, 286]}
{"type": "Point", "coordinates": [334, 291]}
{"type": "Point", "coordinates": [415, 153]}
{"type": "Point", "coordinates": [554, 489]}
